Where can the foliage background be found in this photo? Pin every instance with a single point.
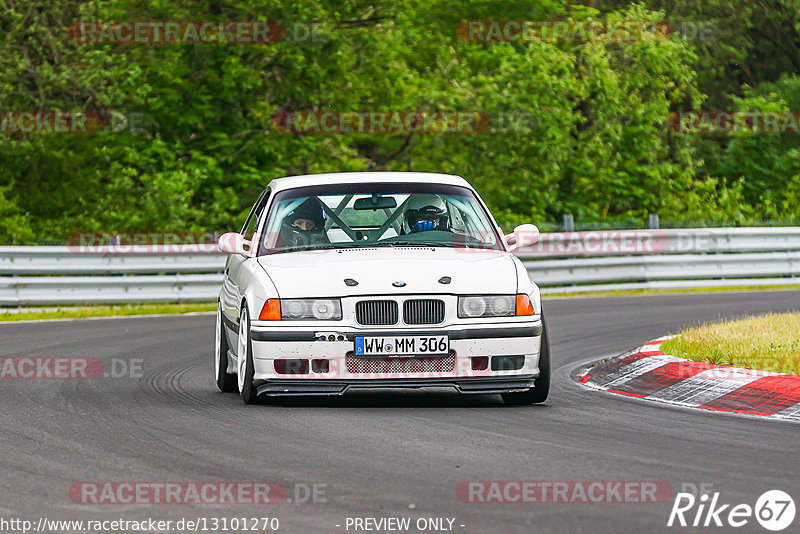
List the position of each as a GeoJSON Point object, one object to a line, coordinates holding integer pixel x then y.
{"type": "Point", "coordinates": [599, 147]}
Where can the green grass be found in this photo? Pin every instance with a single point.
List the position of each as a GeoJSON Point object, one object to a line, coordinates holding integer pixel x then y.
{"type": "Point", "coordinates": [634, 292]}
{"type": "Point", "coordinates": [768, 342]}
{"type": "Point", "coordinates": [77, 312]}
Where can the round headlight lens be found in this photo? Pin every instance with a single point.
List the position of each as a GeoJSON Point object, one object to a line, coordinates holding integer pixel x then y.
{"type": "Point", "coordinates": [323, 309]}
{"type": "Point", "coordinates": [294, 309]}
{"type": "Point", "coordinates": [474, 306]}
{"type": "Point", "coordinates": [501, 306]}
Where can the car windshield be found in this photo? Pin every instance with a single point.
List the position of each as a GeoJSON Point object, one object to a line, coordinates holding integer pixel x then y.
{"type": "Point", "coordinates": [377, 215]}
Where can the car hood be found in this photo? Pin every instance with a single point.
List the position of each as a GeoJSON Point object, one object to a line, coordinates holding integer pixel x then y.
{"type": "Point", "coordinates": [322, 273]}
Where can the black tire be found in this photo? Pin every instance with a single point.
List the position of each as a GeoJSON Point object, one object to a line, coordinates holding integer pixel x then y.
{"type": "Point", "coordinates": [537, 394]}
{"type": "Point", "coordinates": [248, 393]}
{"type": "Point", "coordinates": [226, 382]}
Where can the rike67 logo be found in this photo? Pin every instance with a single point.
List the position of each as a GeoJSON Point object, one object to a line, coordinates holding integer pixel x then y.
{"type": "Point", "coordinates": [774, 510]}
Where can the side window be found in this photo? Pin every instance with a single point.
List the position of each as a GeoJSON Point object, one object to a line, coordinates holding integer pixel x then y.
{"type": "Point", "coordinates": [250, 225]}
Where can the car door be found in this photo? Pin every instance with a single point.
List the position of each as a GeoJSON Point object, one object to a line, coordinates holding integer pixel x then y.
{"type": "Point", "coordinates": [231, 289]}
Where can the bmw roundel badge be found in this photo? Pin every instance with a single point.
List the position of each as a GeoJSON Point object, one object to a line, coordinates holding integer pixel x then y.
{"type": "Point", "coordinates": [399, 284]}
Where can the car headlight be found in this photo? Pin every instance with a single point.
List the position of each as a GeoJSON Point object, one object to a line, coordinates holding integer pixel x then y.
{"type": "Point", "coordinates": [488, 306]}
{"type": "Point", "coordinates": [302, 310]}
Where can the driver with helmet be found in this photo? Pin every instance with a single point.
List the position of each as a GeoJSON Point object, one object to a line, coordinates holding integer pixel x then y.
{"type": "Point", "coordinates": [305, 225]}
{"type": "Point", "coordinates": [425, 212]}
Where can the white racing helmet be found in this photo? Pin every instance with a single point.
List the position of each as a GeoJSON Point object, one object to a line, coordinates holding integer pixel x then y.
{"type": "Point", "coordinates": [425, 212]}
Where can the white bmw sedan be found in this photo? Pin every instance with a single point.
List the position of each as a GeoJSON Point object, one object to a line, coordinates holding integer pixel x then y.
{"type": "Point", "coordinates": [378, 280]}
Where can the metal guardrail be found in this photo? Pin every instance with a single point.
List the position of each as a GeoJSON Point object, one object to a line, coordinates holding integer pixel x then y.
{"type": "Point", "coordinates": [47, 290]}
{"type": "Point", "coordinates": [652, 272]}
{"type": "Point", "coordinates": [560, 262]}
{"type": "Point", "coordinates": [107, 260]}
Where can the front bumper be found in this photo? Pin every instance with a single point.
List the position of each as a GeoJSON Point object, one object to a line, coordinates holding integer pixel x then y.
{"type": "Point", "coordinates": [475, 386]}
{"type": "Point", "coordinates": [518, 343]}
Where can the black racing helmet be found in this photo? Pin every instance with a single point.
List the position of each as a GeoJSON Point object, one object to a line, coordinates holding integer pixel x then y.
{"type": "Point", "coordinates": [294, 236]}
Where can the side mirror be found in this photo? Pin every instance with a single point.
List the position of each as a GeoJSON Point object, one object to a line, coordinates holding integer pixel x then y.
{"type": "Point", "coordinates": [234, 243]}
{"type": "Point", "coordinates": [523, 235]}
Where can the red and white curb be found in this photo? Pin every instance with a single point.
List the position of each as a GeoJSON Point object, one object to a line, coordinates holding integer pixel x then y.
{"type": "Point", "coordinates": [648, 373]}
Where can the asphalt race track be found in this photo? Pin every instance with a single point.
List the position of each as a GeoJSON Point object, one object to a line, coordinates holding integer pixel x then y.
{"type": "Point", "coordinates": [378, 454]}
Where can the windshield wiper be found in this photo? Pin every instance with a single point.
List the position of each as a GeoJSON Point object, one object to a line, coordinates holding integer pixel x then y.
{"type": "Point", "coordinates": [419, 244]}
{"type": "Point", "coordinates": [322, 246]}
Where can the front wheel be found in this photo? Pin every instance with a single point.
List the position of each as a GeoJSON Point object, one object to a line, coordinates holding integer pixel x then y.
{"type": "Point", "coordinates": [244, 355]}
{"type": "Point", "coordinates": [225, 381]}
{"type": "Point", "coordinates": [541, 389]}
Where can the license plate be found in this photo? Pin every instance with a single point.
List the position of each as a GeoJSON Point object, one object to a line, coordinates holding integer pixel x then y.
{"type": "Point", "coordinates": [402, 345]}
